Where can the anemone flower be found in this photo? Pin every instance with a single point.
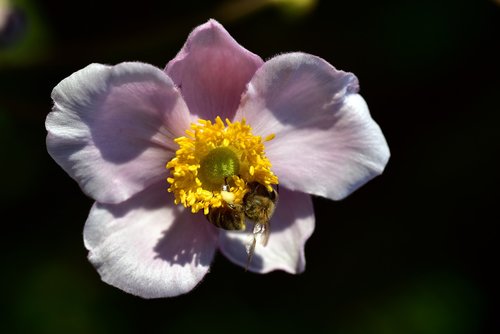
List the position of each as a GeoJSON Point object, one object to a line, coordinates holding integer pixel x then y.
{"type": "Point", "coordinates": [160, 150]}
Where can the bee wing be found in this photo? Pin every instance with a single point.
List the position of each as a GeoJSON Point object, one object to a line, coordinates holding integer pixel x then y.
{"type": "Point", "coordinates": [250, 247]}
{"type": "Point", "coordinates": [250, 244]}
{"type": "Point", "coordinates": [263, 231]}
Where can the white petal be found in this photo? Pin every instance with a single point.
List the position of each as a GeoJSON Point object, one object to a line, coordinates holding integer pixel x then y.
{"type": "Point", "coordinates": [326, 142]}
{"type": "Point", "coordinates": [148, 247]}
{"type": "Point", "coordinates": [212, 70]}
{"type": "Point", "coordinates": [112, 128]}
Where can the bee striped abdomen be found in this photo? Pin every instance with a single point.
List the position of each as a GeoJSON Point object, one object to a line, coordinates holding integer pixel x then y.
{"type": "Point", "coordinates": [232, 219]}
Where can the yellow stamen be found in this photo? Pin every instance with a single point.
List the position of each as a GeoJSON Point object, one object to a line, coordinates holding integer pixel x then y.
{"type": "Point", "coordinates": [213, 156]}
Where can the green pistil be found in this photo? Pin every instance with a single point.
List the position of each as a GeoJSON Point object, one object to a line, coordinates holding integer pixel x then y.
{"type": "Point", "coordinates": [217, 165]}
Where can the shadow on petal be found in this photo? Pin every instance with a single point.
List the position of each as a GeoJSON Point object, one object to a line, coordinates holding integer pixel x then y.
{"type": "Point", "coordinates": [237, 246]}
{"type": "Point", "coordinates": [185, 242]}
{"type": "Point", "coordinates": [147, 249]}
{"type": "Point", "coordinates": [131, 121]}
{"type": "Point", "coordinates": [298, 89]}
{"type": "Point", "coordinates": [291, 205]}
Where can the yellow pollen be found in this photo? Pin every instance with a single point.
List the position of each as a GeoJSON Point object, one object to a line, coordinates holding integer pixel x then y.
{"type": "Point", "coordinates": [270, 137]}
{"type": "Point", "coordinates": [213, 156]}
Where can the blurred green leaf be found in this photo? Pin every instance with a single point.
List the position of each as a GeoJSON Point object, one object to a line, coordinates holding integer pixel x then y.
{"type": "Point", "coordinates": [433, 304]}
{"type": "Point", "coordinates": [32, 43]}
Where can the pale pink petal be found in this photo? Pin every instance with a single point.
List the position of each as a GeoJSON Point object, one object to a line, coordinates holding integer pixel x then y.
{"type": "Point", "coordinates": [212, 70]}
{"type": "Point", "coordinates": [326, 142]}
{"type": "Point", "coordinates": [112, 128]}
{"type": "Point", "coordinates": [291, 226]}
{"type": "Point", "coordinates": [147, 246]}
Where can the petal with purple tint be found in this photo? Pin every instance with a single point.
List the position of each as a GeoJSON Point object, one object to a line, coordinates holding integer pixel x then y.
{"type": "Point", "coordinates": [212, 70]}
{"type": "Point", "coordinates": [326, 142]}
{"type": "Point", "coordinates": [291, 225]}
{"type": "Point", "coordinates": [148, 247]}
{"type": "Point", "coordinates": [112, 128]}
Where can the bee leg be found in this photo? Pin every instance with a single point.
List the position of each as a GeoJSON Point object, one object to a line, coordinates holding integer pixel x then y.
{"type": "Point", "coordinates": [264, 236]}
{"type": "Point", "coordinates": [225, 186]}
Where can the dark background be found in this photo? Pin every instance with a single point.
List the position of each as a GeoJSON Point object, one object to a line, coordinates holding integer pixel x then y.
{"type": "Point", "coordinates": [412, 252]}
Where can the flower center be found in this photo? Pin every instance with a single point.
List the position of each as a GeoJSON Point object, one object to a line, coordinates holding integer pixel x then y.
{"type": "Point", "coordinates": [218, 165]}
{"type": "Point", "coordinates": [214, 158]}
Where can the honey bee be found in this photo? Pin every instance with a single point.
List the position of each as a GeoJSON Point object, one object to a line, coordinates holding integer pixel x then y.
{"type": "Point", "coordinates": [258, 205]}
{"type": "Point", "coordinates": [229, 216]}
